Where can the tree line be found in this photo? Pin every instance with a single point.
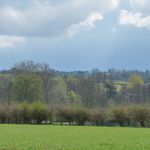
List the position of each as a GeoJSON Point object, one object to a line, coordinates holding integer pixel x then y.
{"type": "Point", "coordinates": [30, 83]}
{"type": "Point", "coordinates": [118, 75]}
{"type": "Point", "coordinates": [36, 81]}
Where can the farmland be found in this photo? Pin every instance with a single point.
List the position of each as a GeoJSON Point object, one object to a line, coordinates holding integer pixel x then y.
{"type": "Point", "coordinates": [47, 137]}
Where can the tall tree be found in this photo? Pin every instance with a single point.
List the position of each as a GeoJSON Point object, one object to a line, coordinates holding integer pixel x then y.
{"type": "Point", "coordinates": [27, 87]}
{"type": "Point", "coordinates": [59, 92]}
{"type": "Point", "coordinates": [135, 85]}
{"type": "Point", "coordinates": [23, 67]}
{"type": "Point", "coordinates": [42, 70]}
{"type": "Point", "coordinates": [110, 90]}
{"type": "Point", "coordinates": [85, 88]}
{"type": "Point", "coordinates": [6, 82]}
{"type": "Point", "coordinates": [46, 75]}
{"type": "Point", "coordinates": [74, 99]}
{"type": "Point", "coordinates": [135, 80]}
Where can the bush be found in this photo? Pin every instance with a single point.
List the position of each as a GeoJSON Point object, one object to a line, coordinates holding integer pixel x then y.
{"type": "Point", "coordinates": [49, 113]}
{"type": "Point", "coordinates": [141, 113]}
{"type": "Point", "coordinates": [15, 111]}
{"type": "Point", "coordinates": [65, 113]}
{"type": "Point", "coordinates": [118, 115]}
{"type": "Point", "coordinates": [128, 113]}
{"type": "Point", "coordinates": [25, 113]}
{"type": "Point", "coordinates": [98, 115]}
{"type": "Point", "coordinates": [3, 113]}
{"type": "Point", "coordinates": [39, 112]}
{"type": "Point", "coordinates": [81, 115]}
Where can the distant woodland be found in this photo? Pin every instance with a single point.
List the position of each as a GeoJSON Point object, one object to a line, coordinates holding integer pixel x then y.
{"type": "Point", "coordinates": [33, 92]}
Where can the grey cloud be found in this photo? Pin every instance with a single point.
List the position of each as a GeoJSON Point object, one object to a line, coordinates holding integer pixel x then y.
{"type": "Point", "coordinates": [48, 18]}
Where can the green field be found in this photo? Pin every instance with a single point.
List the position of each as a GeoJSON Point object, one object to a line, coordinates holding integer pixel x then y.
{"type": "Point", "coordinates": [53, 137]}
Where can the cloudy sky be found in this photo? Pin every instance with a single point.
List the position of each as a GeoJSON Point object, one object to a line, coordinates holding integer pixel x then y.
{"type": "Point", "coordinates": [76, 34]}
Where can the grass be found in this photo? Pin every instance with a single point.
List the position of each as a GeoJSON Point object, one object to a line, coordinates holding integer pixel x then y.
{"type": "Point", "coordinates": [50, 137]}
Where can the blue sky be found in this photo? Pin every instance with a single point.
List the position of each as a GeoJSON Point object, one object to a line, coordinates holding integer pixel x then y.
{"type": "Point", "coordinates": [76, 34]}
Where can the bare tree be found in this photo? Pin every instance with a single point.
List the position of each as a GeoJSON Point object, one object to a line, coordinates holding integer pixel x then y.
{"type": "Point", "coordinates": [24, 67]}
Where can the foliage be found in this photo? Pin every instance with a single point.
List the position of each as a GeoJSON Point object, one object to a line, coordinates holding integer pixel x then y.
{"type": "Point", "coordinates": [39, 112]}
{"type": "Point", "coordinates": [27, 87]}
{"type": "Point", "coordinates": [128, 114]}
{"type": "Point", "coordinates": [118, 115]}
{"type": "Point", "coordinates": [15, 108]}
{"type": "Point", "coordinates": [78, 97]}
{"type": "Point", "coordinates": [3, 113]}
{"type": "Point", "coordinates": [81, 115]}
{"type": "Point", "coordinates": [85, 88]}
{"type": "Point", "coordinates": [44, 72]}
{"type": "Point", "coordinates": [74, 99]}
{"type": "Point", "coordinates": [120, 83]}
{"type": "Point", "coordinates": [90, 88]}
{"type": "Point", "coordinates": [71, 84]}
{"type": "Point", "coordinates": [98, 115]}
{"type": "Point", "coordinates": [110, 90]}
{"type": "Point", "coordinates": [99, 97]}
{"type": "Point", "coordinates": [25, 112]}
{"type": "Point", "coordinates": [65, 113]}
{"type": "Point", "coordinates": [141, 113]}
{"type": "Point", "coordinates": [6, 82]}
{"type": "Point", "coordinates": [135, 80]}
{"type": "Point", "coordinates": [58, 92]}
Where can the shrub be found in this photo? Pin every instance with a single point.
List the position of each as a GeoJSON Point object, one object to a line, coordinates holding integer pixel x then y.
{"type": "Point", "coordinates": [141, 113]}
{"type": "Point", "coordinates": [49, 113]}
{"type": "Point", "coordinates": [98, 115]}
{"type": "Point", "coordinates": [65, 113]}
{"type": "Point", "coordinates": [39, 112]}
{"type": "Point", "coordinates": [25, 112]}
{"type": "Point", "coordinates": [128, 113]}
{"type": "Point", "coordinates": [118, 115]}
{"type": "Point", "coordinates": [15, 111]}
{"type": "Point", "coordinates": [81, 115]}
{"type": "Point", "coordinates": [3, 113]}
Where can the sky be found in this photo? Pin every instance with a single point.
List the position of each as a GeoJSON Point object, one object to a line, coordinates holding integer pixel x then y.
{"type": "Point", "coordinates": [74, 35]}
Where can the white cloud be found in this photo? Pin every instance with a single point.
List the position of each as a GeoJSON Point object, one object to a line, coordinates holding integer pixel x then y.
{"type": "Point", "coordinates": [86, 25]}
{"type": "Point", "coordinates": [135, 19]}
{"type": "Point", "coordinates": [142, 6]}
{"type": "Point", "coordinates": [113, 29]}
{"type": "Point", "coordinates": [10, 41]}
{"type": "Point", "coordinates": [49, 18]}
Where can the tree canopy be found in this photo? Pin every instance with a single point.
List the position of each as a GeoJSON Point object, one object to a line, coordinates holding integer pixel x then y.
{"type": "Point", "coordinates": [135, 80]}
{"type": "Point", "coordinates": [27, 87]}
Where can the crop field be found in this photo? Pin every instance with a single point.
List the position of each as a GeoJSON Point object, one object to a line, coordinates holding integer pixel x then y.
{"type": "Point", "coordinates": [55, 137]}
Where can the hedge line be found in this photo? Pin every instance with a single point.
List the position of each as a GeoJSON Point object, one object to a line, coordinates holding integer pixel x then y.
{"type": "Point", "coordinates": [38, 113]}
